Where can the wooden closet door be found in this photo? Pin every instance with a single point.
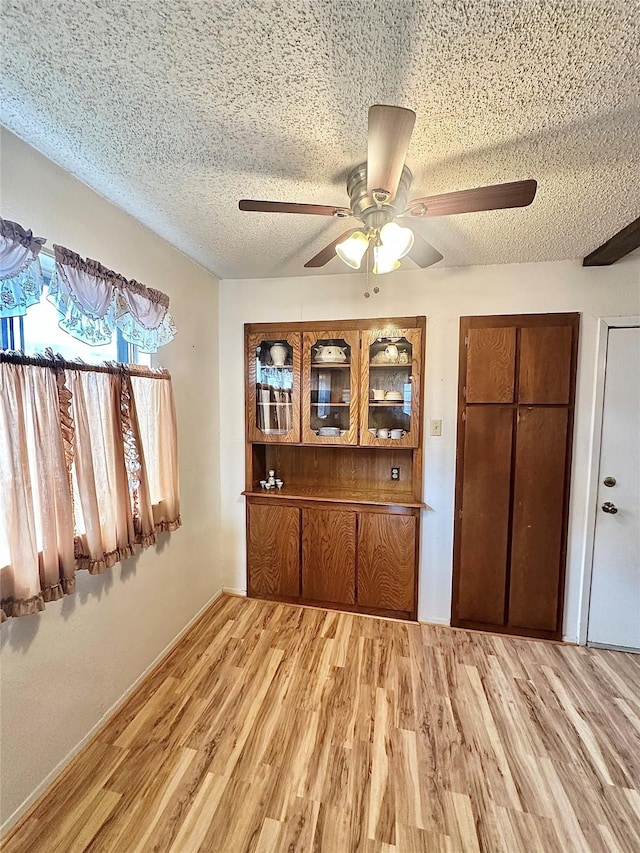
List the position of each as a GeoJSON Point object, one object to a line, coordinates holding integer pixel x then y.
{"type": "Point", "coordinates": [515, 422]}
{"type": "Point", "coordinates": [484, 524]}
{"type": "Point", "coordinates": [536, 550]}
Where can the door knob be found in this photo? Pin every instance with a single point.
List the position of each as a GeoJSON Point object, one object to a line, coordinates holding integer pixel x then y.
{"type": "Point", "coordinates": [609, 507]}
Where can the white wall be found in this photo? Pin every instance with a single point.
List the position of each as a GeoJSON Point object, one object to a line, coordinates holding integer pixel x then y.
{"type": "Point", "coordinates": [444, 295]}
{"type": "Point", "coordinates": [63, 669]}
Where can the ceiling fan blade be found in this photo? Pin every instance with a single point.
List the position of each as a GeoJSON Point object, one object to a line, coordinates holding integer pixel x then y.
{"type": "Point", "coordinates": [388, 139]}
{"type": "Point", "coordinates": [422, 253]}
{"type": "Point", "coordinates": [496, 197]}
{"type": "Point", "coordinates": [324, 255]}
{"type": "Point", "coordinates": [290, 207]}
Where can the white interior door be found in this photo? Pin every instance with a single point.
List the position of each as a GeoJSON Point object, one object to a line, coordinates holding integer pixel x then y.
{"type": "Point", "coordinates": [614, 611]}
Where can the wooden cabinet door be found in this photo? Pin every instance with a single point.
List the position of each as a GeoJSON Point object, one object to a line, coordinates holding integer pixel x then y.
{"type": "Point", "coordinates": [390, 391]}
{"type": "Point", "coordinates": [330, 388]}
{"type": "Point", "coordinates": [491, 361]}
{"type": "Point", "coordinates": [272, 399]}
{"type": "Point", "coordinates": [545, 365]}
{"type": "Point", "coordinates": [273, 549]}
{"type": "Point", "coordinates": [329, 555]}
{"type": "Point", "coordinates": [387, 546]}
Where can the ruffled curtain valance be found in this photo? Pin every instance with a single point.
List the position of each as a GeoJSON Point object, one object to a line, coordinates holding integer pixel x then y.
{"type": "Point", "coordinates": [20, 274]}
{"type": "Point", "coordinates": [92, 300]}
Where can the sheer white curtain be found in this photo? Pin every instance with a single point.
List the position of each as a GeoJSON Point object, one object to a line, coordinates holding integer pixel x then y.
{"type": "Point", "coordinates": [156, 413]}
{"type": "Point", "coordinates": [36, 529]}
{"type": "Point", "coordinates": [88, 473]}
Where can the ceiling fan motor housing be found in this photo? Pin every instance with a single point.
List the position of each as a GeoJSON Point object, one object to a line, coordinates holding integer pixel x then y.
{"type": "Point", "coordinates": [365, 207]}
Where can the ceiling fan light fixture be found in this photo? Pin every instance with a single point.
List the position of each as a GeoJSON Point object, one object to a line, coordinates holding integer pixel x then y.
{"type": "Point", "coordinates": [352, 250]}
{"type": "Point", "coordinates": [396, 240]}
{"type": "Point", "coordinates": [384, 260]}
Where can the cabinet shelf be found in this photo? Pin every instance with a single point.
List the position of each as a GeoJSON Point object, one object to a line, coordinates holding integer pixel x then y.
{"type": "Point", "coordinates": [276, 366]}
{"type": "Point", "coordinates": [351, 496]}
{"type": "Point", "coordinates": [330, 404]}
{"type": "Point", "coordinates": [318, 365]}
{"type": "Point", "coordinates": [389, 403]}
{"type": "Point", "coordinates": [389, 365]}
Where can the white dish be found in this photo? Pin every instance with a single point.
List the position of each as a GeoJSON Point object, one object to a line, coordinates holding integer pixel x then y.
{"type": "Point", "coordinates": [393, 395]}
{"type": "Point", "coordinates": [327, 432]}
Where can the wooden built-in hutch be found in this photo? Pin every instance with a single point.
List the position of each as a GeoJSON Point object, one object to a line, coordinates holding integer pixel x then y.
{"type": "Point", "coordinates": [333, 407]}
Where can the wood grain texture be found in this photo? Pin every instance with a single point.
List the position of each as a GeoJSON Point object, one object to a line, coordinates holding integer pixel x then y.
{"type": "Point", "coordinates": [491, 355]}
{"type": "Point", "coordinates": [387, 561]}
{"type": "Point", "coordinates": [626, 240]}
{"type": "Point", "coordinates": [329, 251]}
{"type": "Point", "coordinates": [539, 492]}
{"type": "Point", "coordinates": [325, 468]}
{"type": "Point", "coordinates": [388, 136]}
{"type": "Point", "coordinates": [329, 555]}
{"type": "Point", "coordinates": [545, 364]}
{"type": "Point", "coordinates": [495, 197]}
{"type": "Point", "coordinates": [545, 374]}
{"type": "Point", "coordinates": [309, 341]}
{"type": "Point", "coordinates": [259, 206]}
{"type": "Point", "coordinates": [374, 377]}
{"type": "Point", "coordinates": [273, 549]}
{"type": "Point", "coordinates": [272, 728]}
{"type": "Point", "coordinates": [253, 340]}
{"type": "Point", "coordinates": [482, 552]}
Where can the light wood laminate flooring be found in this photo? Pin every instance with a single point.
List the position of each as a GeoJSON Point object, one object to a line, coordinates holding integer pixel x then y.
{"type": "Point", "coordinates": [272, 727]}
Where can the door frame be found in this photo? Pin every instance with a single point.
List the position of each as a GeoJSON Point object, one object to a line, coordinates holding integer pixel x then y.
{"type": "Point", "coordinates": [602, 338]}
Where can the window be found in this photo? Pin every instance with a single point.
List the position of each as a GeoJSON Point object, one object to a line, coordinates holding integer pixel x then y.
{"type": "Point", "coordinates": [39, 329]}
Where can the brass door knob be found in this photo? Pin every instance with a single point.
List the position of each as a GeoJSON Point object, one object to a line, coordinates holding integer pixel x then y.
{"type": "Point", "coordinates": [612, 509]}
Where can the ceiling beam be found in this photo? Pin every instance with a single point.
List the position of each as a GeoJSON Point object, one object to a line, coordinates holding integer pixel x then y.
{"type": "Point", "coordinates": [617, 247]}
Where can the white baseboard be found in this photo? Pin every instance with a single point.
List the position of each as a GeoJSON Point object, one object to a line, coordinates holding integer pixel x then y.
{"type": "Point", "coordinates": [60, 766]}
{"type": "Point", "coordinates": [435, 620]}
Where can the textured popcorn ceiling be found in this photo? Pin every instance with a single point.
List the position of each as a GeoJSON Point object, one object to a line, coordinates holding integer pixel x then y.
{"type": "Point", "coordinates": [176, 109]}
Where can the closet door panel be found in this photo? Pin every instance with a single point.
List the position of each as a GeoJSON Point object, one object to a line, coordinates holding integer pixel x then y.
{"type": "Point", "coordinates": [484, 526]}
{"type": "Point", "coordinates": [491, 358]}
{"type": "Point", "coordinates": [545, 364]}
{"type": "Point", "coordinates": [538, 517]}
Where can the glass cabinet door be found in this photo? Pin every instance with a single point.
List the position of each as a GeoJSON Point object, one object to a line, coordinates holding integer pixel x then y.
{"type": "Point", "coordinates": [273, 393]}
{"type": "Point", "coordinates": [330, 363]}
{"type": "Point", "coordinates": [390, 404]}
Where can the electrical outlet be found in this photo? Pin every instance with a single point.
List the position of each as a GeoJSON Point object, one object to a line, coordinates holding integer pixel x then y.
{"type": "Point", "coordinates": [435, 426]}
{"type": "Point", "coordinates": [395, 473]}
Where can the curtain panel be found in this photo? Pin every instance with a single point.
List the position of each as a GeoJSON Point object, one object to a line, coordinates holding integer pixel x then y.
{"type": "Point", "coordinates": [92, 300]}
{"type": "Point", "coordinates": [88, 472]}
{"type": "Point", "coordinates": [20, 273]}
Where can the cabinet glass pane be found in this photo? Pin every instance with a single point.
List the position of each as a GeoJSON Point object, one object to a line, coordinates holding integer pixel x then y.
{"type": "Point", "coordinates": [274, 387]}
{"type": "Point", "coordinates": [390, 387]}
{"type": "Point", "coordinates": [330, 389]}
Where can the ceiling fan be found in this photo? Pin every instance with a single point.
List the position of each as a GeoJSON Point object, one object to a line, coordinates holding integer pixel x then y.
{"type": "Point", "coordinates": [378, 192]}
